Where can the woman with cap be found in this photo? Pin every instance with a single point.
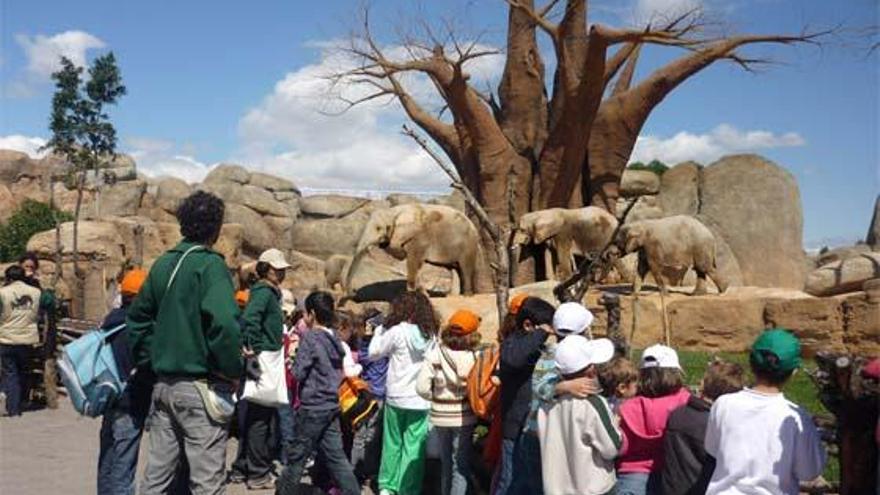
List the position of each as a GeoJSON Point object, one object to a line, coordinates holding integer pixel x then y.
{"type": "Point", "coordinates": [123, 423]}
{"type": "Point", "coordinates": [262, 331]}
{"type": "Point", "coordinates": [443, 381]}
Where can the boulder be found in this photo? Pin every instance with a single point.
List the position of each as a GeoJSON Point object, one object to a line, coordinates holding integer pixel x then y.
{"type": "Point", "coordinates": [306, 273]}
{"type": "Point", "coordinates": [121, 199]}
{"type": "Point", "coordinates": [840, 254]}
{"type": "Point", "coordinates": [153, 243]}
{"type": "Point", "coordinates": [639, 183]}
{"type": "Point", "coordinates": [11, 164]}
{"type": "Point", "coordinates": [680, 190]}
{"type": "Point", "coordinates": [818, 323]}
{"type": "Point", "coordinates": [646, 208]}
{"type": "Point", "coordinates": [227, 173]}
{"type": "Point", "coordinates": [8, 203]}
{"type": "Point", "coordinates": [97, 241]}
{"type": "Point", "coordinates": [229, 243]}
{"type": "Point", "coordinates": [322, 238]}
{"type": "Point", "coordinates": [873, 237]}
{"type": "Point", "coordinates": [31, 188]}
{"type": "Point", "coordinates": [330, 205]}
{"type": "Point", "coordinates": [255, 198]}
{"type": "Point", "coordinates": [170, 191]}
{"type": "Point", "coordinates": [715, 323]}
{"type": "Point", "coordinates": [402, 199]}
{"type": "Point", "coordinates": [453, 200]}
{"type": "Point", "coordinates": [755, 206]}
{"type": "Point", "coordinates": [272, 183]}
{"type": "Point", "coordinates": [283, 229]}
{"type": "Point", "coordinates": [843, 276]}
{"type": "Point", "coordinates": [862, 317]}
{"type": "Point", "coordinates": [258, 235]}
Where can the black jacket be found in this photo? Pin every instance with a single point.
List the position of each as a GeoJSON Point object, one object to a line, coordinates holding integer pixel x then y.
{"type": "Point", "coordinates": [687, 469]}
{"type": "Point", "coordinates": [136, 398]}
{"type": "Point", "coordinates": [520, 352]}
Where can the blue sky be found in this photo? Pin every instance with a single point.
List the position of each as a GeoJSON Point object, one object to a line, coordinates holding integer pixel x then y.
{"type": "Point", "coordinates": [213, 82]}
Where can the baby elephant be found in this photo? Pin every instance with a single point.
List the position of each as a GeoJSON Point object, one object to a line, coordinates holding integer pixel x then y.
{"type": "Point", "coordinates": [668, 247]}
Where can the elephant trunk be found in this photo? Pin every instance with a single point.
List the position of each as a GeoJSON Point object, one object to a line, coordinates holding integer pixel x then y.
{"type": "Point", "coordinates": [353, 266]}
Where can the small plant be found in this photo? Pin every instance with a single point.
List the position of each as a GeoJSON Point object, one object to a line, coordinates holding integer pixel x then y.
{"type": "Point", "coordinates": [30, 218]}
{"type": "Point", "coordinates": [655, 166]}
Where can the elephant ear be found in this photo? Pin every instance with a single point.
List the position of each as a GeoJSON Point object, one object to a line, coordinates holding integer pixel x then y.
{"type": "Point", "coordinates": [407, 225]}
{"type": "Point", "coordinates": [547, 226]}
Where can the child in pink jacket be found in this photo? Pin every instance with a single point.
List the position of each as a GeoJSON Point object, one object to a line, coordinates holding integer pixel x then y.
{"type": "Point", "coordinates": [643, 420]}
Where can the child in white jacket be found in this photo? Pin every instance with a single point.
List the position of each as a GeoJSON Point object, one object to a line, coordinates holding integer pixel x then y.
{"type": "Point", "coordinates": [443, 381]}
{"type": "Point", "coordinates": [579, 437]}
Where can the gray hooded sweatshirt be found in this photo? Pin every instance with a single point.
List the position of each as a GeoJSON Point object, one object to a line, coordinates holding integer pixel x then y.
{"type": "Point", "coordinates": [318, 369]}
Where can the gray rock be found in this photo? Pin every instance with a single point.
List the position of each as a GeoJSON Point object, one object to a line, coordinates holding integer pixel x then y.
{"type": "Point", "coordinates": [454, 200]}
{"type": "Point", "coordinates": [330, 205]}
{"type": "Point", "coordinates": [272, 183]}
{"type": "Point", "coordinates": [848, 275]}
{"type": "Point", "coordinates": [170, 191]}
{"type": "Point", "coordinates": [122, 199]}
{"type": "Point", "coordinates": [840, 254]}
{"type": "Point", "coordinates": [258, 236]}
{"type": "Point", "coordinates": [679, 189]}
{"type": "Point", "coordinates": [322, 238]}
{"type": "Point", "coordinates": [401, 199]}
{"type": "Point", "coordinates": [646, 208]}
{"type": "Point", "coordinates": [873, 237]}
{"type": "Point", "coordinates": [12, 163]}
{"type": "Point", "coordinates": [255, 198]}
{"type": "Point", "coordinates": [639, 183]}
{"type": "Point", "coordinates": [228, 173]}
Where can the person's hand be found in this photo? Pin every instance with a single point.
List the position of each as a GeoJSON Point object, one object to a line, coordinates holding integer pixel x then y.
{"type": "Point", "coordinates": [579, 387]}
{"type": "Point", "coordinates": [247, 352]}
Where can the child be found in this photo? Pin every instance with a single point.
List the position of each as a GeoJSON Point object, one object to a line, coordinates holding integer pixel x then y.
{"type": "Point", "coordinates": [686, 468]}
{"type": "Point", "coordinates": [366, 450]}
{"type": "Point", "coordinates": [643, 420]}
{"type": "Point", "coordinates": [318, 371]}
{"type": "Point", "coordinates": [443, 381]}
{"type": "Point", "coordinates": [620, 381]}
{"type": "Point", "coordinates": [761, 442]}
{"type": "Point", "coordinates": [579, 438]}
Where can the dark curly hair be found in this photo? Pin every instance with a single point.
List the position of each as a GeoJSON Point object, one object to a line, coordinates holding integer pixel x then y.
{"type": "Point", "coordinates": [458, 342]}
{"type": "Point", "coordinates": [413, 307]}
{"type": "Point", "coordinates": [201, 217]}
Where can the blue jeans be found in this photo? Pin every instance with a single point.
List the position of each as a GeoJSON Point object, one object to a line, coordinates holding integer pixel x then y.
{"type": "Point", "coordinates": [505, 467]}
{"type": "Point", "coordinates": [317, 431]}
{"type": "Point", "coordinates": [455, 458]}
{"type": "Point", "coordinates": [285, 430]}
{"type": "Point", "coordinates": [117, 462]}
{"type": "Point", "coordinates": [13, 359]}
{"type": "Point", "coordinates": [631, 484]}
{"type": "Point", "coordinates": [527, 478]}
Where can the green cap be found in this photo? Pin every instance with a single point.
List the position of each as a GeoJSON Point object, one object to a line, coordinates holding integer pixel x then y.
{"type": "Point", "coordinates": [781, 343]}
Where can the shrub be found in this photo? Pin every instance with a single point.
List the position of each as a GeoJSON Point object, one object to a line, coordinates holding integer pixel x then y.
{"type": "Point", "coordinates": [655, 166]}
{"type": "Point", "coordinates": [30, 218]}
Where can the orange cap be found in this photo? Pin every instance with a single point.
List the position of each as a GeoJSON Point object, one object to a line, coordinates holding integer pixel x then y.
{"type": "Point", "coordinates": [241, 298]}
{"type": "Point", "coordinates": [516, 302]}
{"type": "Point", "coordinates": [464, 322]}
{"type": "Point", "coordinates": [132, 282]}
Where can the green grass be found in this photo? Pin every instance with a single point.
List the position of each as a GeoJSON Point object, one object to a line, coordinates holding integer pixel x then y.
{"type": "Point", "coordinates": [799, 389]}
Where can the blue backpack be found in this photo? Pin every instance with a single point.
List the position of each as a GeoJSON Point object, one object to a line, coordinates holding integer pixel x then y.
{"type": "Point", "coordinates": [89, 372]}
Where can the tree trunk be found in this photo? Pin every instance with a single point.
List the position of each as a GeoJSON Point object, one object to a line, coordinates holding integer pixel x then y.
{"type": "Point", "coordinates": [79, 276]}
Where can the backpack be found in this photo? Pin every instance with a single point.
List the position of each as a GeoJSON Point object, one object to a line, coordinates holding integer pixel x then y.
{"type": "Point", "coordinates": [484, 394]}
{"type": "Point", "coordinates": [89, 372]}
{"type": "Point", "coordinates": [356, 403]}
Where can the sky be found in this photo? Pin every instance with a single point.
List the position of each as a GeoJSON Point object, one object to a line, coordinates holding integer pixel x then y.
{"type": "Point", "coordinates": [214, 82]}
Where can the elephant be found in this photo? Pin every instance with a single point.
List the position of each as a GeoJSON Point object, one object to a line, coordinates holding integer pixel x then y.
{"type": "Point", "coordinates": [335, 269]}
{"type": "Point", "coordinates": [422, 233]}
{"type": "Point", "coordinates": [577, 231]}
{"type": "Point", "coordinates": [668, 247]}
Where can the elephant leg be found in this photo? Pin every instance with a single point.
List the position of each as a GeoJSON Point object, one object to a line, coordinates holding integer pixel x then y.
{"type": "Point", "coordinates": [657, 273]}
{"type": "Point", "coordinates": [712, 273]}
{"type": "Point", "coordinates": [549, 269]}
{"type": "Point", "coordinates": [467, 267]}
{"type": "Point", "coordinates": [564, 261]}
{"type": "Point", "coordinates": [414, 260]}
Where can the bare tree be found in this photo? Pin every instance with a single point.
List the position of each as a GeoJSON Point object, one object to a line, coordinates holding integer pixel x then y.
{"type": "Point", "coordinates": [563, 146]}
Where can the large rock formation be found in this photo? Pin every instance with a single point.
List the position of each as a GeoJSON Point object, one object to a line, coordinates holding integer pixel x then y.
{"type": "Point", "coordinates": [750, 204]}
{"type": "Point", "coordinates": [846, 275]}
{"type": "Point", "coordinates": [873, 237]}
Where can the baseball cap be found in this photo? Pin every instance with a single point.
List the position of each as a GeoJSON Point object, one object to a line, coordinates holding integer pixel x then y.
{"type": "Point", "coordinates": [571, 318]}
{"type": "Point", "coordinates": [464, 322]}
{"type": "Point", "coordinates": [132, 282]}
{"type": "Point", "coordinates": [516, 302]}
{"type": "Point", "coordinates": [575, 353]}
{"type": "Point", "coordinates": [275, 259]}
{"type": "Point", "coordinates": [781, 343]}
{"type": "Point", "coordinates": [659, 356]}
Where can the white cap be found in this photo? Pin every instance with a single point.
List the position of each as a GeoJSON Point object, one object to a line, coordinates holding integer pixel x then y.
{"type": "Point", "coordinates": [660, 356]}
{"type": "Point", "coordinates": [575, 353]}
{"type": "Point", "coordinates": [572, 318]}
{"type": "Point", "coordinates": [288, 301]}
{"type": "Point", "coordinates": [275, 258]}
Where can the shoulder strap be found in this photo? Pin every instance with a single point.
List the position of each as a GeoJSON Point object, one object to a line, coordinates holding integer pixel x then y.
{"type": "Point", "coordinates": [179, 262]}
{"type": "Point", "coordinates": [113, 331]}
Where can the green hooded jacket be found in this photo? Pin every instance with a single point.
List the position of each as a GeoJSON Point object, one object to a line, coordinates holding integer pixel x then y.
{"type": "Point", "coordinates": [193, 332]}
{"type": "Point", "coordinates": [262, 322]}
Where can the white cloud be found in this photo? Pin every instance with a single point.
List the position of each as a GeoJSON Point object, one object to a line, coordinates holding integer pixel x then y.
{"type": "Point", "coordinates": [706, 148]}
{"type": "Point", "coordinates": [290, 132]}
{"type": "Point", "coordinates": [25, 144]}
{"type": "Point", "coordinates": [156, 157]}
{"type": "Point", "coordinates": [44, 52]}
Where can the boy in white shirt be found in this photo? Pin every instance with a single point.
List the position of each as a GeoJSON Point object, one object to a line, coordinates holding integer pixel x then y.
{"type": "Point", "coordinates": [762, 443]}
{"type": "Point", "coordinates": [579, 437]}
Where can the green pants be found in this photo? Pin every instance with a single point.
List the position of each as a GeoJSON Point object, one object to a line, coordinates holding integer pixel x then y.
{"type": "Point", "coordinates": [405, 433]}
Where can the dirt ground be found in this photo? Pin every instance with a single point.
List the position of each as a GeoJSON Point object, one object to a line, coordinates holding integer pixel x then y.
{"type": "Point", "coordinates": [56, 451]}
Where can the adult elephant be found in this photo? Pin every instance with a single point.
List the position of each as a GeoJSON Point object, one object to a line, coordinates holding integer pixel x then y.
{"type": "Point", "coordinates": [421, 233]}
{"type": "Point", "coordinates": [576, 231]}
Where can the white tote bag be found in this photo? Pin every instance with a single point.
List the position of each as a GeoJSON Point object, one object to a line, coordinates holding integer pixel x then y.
{"type": "Point", "coordinates": [271, 389]}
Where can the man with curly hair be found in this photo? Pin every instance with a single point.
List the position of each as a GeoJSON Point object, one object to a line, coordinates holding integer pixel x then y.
{"type": "Point", "coordinates": [183, 326]}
